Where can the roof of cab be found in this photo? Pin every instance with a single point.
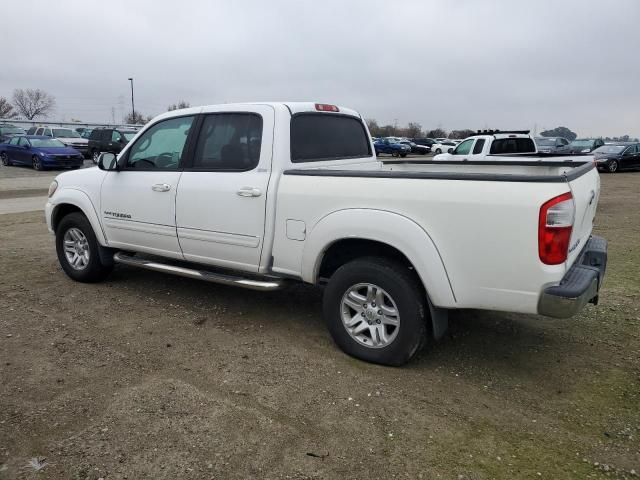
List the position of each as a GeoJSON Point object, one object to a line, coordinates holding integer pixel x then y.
{"type": "Point", "coordinates": [293, 107]}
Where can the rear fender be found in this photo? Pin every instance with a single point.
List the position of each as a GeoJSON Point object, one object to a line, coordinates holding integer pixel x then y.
{"type": "Point", "coordinates": [386, 227]}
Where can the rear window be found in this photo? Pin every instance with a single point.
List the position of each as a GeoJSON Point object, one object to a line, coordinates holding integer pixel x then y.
{"type": "Point", "coordinates": [512, 145]}
{"type": "Point", "coordinates": [321, 136]}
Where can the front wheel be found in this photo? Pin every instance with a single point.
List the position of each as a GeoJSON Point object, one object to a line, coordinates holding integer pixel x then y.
{"type": "Point", "coordinates": [375, 311]}
{"type": "Point", "coordinates": [394, 154]}
{"type": "Point", "coordinates": [78, 250]}
{"type": "Point", "coordinates": [438, 151]}
{"type": "Point", "coordinates": [5, 159]}
{"type": "Point", "coordinates": [612, 166]}
{"type": "Point", "coordinates": [37, 163]}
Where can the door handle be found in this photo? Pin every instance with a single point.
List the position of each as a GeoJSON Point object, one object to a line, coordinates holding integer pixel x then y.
{"type": "Point", "coordinates": [161, 187]}
{"type": "Point", "coordinates": [249, 192]}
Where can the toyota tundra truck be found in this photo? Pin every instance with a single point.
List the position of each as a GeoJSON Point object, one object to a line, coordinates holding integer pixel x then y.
{"type": "Point", "coordinates": [259, 195]}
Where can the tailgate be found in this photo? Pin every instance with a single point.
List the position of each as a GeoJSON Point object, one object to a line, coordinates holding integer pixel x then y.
{"type": "Point", "coordinates": [586, 192]}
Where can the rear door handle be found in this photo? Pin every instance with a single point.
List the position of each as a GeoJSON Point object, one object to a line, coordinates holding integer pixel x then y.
{"type": "Point", "coordinates": [161, 187]}
{"type": "Point", "coordinates": [249, 192]}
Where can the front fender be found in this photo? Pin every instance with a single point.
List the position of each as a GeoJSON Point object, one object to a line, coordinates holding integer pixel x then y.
{"type": "Point", "coordinates": [79, 199]}
{"type": "Point", "coordinates": [386, 227]}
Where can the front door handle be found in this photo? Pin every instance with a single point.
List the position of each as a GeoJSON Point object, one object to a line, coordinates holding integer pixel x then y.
{"type": "Point", "coordinates": [249, 192]}
{"type": "Point", "coordinates": [161, 187]}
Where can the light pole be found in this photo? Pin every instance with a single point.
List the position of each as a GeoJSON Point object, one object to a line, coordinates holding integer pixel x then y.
{"type": "Point", "coordinates": [133, 108]}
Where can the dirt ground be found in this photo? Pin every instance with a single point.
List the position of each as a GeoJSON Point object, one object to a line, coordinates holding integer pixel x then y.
{"type": "Point", "coordinates": [153, 376]}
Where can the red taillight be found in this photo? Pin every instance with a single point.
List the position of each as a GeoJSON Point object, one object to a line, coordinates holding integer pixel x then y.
{"type": "Point", "coordinates": [323, 107]}
{"type": "Point", "coordinates": [554, 229]}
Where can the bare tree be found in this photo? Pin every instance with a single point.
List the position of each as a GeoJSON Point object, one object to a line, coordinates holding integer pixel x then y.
{"type": "Point", "coordinates": [437, 133]}
{"type": "Point", "coordinates": [177, 106]}
{"type": "Point", "coordinates": [32, 103]}
{"type": "Point", "coordinates": [461, 134]}
{"type": "Point", "coordinates": [138, 119]}
{"type": "Point", "coordinates": [413, 130]}
{"type": "Point", "coordinates": [6, 109]}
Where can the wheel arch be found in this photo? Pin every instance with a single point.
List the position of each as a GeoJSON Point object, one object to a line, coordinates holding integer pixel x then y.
{"type": "Point", "coordinates": [332, 241]}
{"type": "Point", "coordinates": [70, 200]}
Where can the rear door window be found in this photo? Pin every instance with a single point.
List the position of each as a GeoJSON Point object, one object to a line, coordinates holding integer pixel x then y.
{"type": "Point", "coordinates": [477, 148]}
{"type": "Point", "coordinates": [505, 146]}
{"type": "Point", "coordinates": [321, 136]}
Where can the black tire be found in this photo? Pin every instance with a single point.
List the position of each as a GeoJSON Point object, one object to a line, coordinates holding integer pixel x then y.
{"type": "Point", "coordinates": [95, 270]}
{"type": "Point", "coordinates": [438, 151]}
{"type": "Point", "coordinates": [402, 286]}
{"type": "Point", "coordinates": [612, 166]}
{"type": "Point", "coordinates": [94, 156]}
{"type": "Point", "coordinates": [394, 154]}
{"type": "Point", "coordinates": [5, 159]}
{"type": "Point", "coordinates": [36, 163]}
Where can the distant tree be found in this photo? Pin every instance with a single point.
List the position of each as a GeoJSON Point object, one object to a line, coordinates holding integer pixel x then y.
{"type": "Point", "coordinates": [177, 106]}
{"type": "Point", "coordinates": [413, 130]}
{"type": "Point", "coordinates": [437, 133]}
{"type": "Point", "coordinates": [460, 134]}
{"type": "Point", "coordinates": [388, 131]}
{"type": "Point", "coordinates": [6, 109]}
{"type": "Point", "coordinates": [373, 127]}
{"type": "Point", "coordinates": [137, 119]}
{"type": "Point", "coordinates": [560, 132]}
{"type": "Point", "coordinates": [32, 103]}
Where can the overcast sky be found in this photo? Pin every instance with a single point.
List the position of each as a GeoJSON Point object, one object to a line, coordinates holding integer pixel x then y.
{"type": "Point", "coordinates": [455, 64]}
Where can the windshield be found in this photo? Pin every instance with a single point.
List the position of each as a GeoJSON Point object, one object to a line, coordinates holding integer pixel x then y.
{"type": "Point", "coordinates": [582, 143]}
{"type": "Point", "coordinates": [546, 142]}
{"type": "Point", "coordinates": [11, 130]}
{"type": "Point", "coordinates": [65, 133]}
{"type": "Point", "coordinates": [45, 142]}
{"type": "Point", "coordinates": [610, 149]}
{"type": "Point", "coordinates": [129, 135]}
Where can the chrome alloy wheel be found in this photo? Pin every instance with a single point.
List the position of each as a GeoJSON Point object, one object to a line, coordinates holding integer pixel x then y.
{"type": "Point", "coordinates": [76, 248]}
{"type": "Point", "coordinates": [370, 315]}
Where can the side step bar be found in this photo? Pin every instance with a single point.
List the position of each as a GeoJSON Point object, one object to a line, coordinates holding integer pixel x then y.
{"type": "Point", "coordinates": [207, 276]}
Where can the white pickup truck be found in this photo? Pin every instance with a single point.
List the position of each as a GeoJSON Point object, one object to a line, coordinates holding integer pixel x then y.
{"type": "Point", "coordinates": [257, 195]}
{"type": "Point", "coordinates": [501, 146]}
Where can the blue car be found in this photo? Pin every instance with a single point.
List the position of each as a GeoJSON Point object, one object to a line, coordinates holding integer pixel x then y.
{"type": "Point", "coordinates": [39, 152]}
{"type": "Point", "coordinates": [391, 146]}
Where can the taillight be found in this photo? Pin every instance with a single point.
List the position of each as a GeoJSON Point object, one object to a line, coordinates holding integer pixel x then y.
{"type": "Point", "coordinates": [554, 229]}
{"type": "Point", "coordinates": [323, 107]}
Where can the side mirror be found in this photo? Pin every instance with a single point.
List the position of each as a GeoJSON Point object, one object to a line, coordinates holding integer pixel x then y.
{"type": "Point", "coordinates": [108, 162]}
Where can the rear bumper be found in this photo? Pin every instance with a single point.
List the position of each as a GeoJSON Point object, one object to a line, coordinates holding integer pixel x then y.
{"type": "Point", "coordinates": [580, 285]}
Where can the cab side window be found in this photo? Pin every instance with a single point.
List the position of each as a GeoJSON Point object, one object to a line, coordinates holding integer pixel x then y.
{"type": "Point", "coordinates": [14, 140]}
{"type": "Point", "coordinates": [23, 142]}
{"type": "Point", "coordinates": [161, 146]}
{"type": "Point", "coordinates": [229, 142]}
{"type": "Point", "coordinates": [477, 148]}
{"type": "Point", "coordinates": [464, 148]}
{"type": "Point", "coordinates": [39, 131]}
{"type": "Point", "coordinates": [115, 136]}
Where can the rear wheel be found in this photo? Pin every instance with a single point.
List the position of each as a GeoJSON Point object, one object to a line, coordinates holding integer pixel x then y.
{"type": "Point", "coordinates": [78, 250]}
{"type": "Point", "coordinates": [36, 163]}
{"type": "Point", "coordinates": [375, 310]}
{"type": "Point", "coordinates": [438, 151]}
{"type": "Point", "coordinates": [394, 154]}
{"type": "Point", "coordinates": [5, 159]}
{"type": "Point", "coordinates": [612, 166]}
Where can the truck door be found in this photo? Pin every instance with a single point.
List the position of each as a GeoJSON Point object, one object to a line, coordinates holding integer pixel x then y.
{"type": "Point", "coordinates": [138, 201]}
{"type": "Point", "coordinates": [221, 199]}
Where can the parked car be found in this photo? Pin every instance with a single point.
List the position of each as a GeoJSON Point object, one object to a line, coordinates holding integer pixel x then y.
{"type": "Point", "coordinates": [86, 133]}
{"type": "Point", "coordinates": [109, 140]}
{"type": "Point", "coordinates": [615, 157]}
{"type": "Point", "coordinates": [40, 152]}
{"type": "Point", "coordinates": [585, 145]}
{"type": "Point", "coordinates": [442, 145]}
{"type": "Point", "coordinates": [7, 131]}
{"type": "Point", "coordinates": [69, 137]}
{"type": "Point", "coordinates": [552, 145]}
{"type": "Point", "coordinates": [415, 148]}
{"type": "Point", "coordinates": [492, 146]}
{"type": "Point", "coordinates": [428, 142]}
{"type": "Point", "coordinates": [391, 146]}
{"type": "Point", "coordinates": [294, 192]}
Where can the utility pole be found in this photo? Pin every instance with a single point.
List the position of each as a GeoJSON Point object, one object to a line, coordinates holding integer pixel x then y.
{"type": "Point", "coordinates": [113, 115]}
{"type": "Point", "coordinates": [133, 108]}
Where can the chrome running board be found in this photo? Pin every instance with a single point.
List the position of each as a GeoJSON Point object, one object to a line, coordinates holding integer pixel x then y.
{"type": "Point", "coordinates": [262, 285]}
